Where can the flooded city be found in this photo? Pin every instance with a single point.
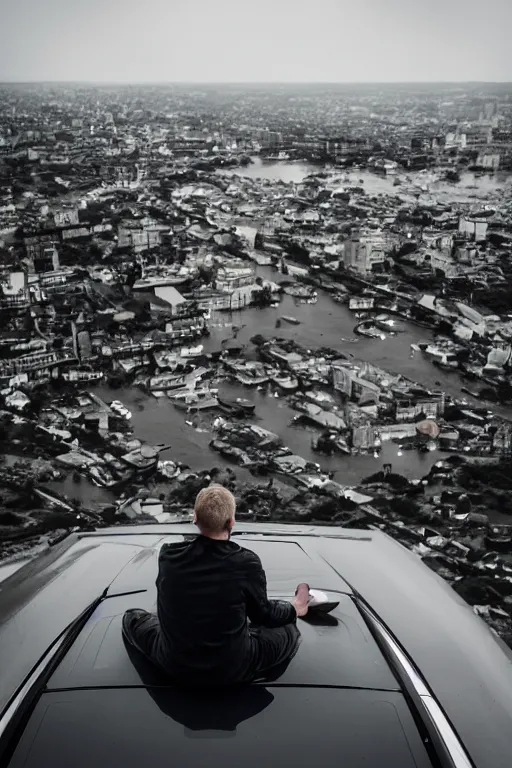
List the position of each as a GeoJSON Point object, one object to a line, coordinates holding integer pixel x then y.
{"type": "Point", "coordinates": [318, 323]}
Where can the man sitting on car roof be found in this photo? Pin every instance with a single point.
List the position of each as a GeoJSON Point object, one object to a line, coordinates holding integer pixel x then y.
{"type": "Point", "coordinates": [215, 623]}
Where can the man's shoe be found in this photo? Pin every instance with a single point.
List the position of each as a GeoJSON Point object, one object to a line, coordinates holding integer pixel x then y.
{"type": "Point", "coordinates": [320, 603]}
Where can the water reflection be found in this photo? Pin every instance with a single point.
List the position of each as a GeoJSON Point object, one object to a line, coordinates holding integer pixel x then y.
{"type": "Point", "coordinates": [291, 173]}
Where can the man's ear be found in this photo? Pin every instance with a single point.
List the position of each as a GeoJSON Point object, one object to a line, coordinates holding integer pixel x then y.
{"type": "Point", "coordinates": [231, 523]}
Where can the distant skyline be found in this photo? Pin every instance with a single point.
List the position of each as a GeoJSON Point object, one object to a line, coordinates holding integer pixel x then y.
{"type": "Point", "coordinates": [283, 41]}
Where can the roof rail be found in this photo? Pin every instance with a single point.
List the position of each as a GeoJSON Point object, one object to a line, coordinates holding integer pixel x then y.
{"type": "Point", "coordinates": [444, 740]}
{"type": "Point", "coordinates": [24, 699]}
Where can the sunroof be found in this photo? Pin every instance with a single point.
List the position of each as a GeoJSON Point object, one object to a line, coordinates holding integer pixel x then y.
{"type": "Point", "coordinates": [338, 652]}
{"type": "Point", "coordinates": [250, 726]}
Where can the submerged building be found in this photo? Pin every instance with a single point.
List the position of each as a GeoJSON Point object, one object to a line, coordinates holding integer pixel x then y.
{"type": "Point", "coordinates": [364, 252]}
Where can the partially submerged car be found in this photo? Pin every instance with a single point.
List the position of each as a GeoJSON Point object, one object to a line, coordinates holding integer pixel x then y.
{"type": "Point", "coordinates": [402, 673]}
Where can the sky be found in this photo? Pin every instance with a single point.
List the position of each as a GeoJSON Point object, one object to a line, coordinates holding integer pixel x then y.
{"type": "Point", "coordinates": [248, 41]}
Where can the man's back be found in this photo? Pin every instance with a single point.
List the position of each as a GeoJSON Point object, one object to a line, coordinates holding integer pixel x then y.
{"type": "Point", "coordinates": [203, 587]}
{"type": "Point", "coordinates": [215, 623]}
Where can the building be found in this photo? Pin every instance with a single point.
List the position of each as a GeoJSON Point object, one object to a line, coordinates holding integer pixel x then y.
{"type": "Point", "coordinates": [340, 146]}
{"type": "Point", "coordinates": [269, 139]}
{"type": "Point", "coordinates": [50, 279]}
{"type": "Point", "coordinates": [477, 136]}
{"type": "Point", "coordinates": [431, 408]}
{"type": "Point", "coordinates": [363, 390]}
{"type": "Point", "coordinates": [46, 260]}
{"type": "Point", "coordinates": [437, 239]}
{"type": "Point", "coordinates": [29, 363]}
{"type": "Point", "coordinates": [35, 245]}
{"type": "Point", "coordinates": [84, 345]}
{"type": "Point", "coordinates": [365, 437]}
{"type": "Point", "coordinates": [342, 380]}
{"type": "Point", "coordinates": [455, 139]}
{"type": "Point", "coordinates": [397, 431]}
{"type": "Point", "coordinates": [14, 293]}
{"type": "Point", "coordinates": [490, 160]}
{"type": "Point", "coordinates": [361, 302]}
{"type": "Point", "coordinates": [363, 253]}
{"type": "Point", "coordinates": [76, 233]}
{"type": "Point", "coordinates": [170, 294]}
{"type": "Point", "coordinates": [66, 217]}
{"type": "Point", "coordinates": [473, 228]}
{"type": "Point", "coordinates": [16, 284]}
{"type": "Point", "coordinates": [229, 278]}
{"type": "Point", "coordinates": [350, 384]}
{"type": "Point", "coordinates": [15, 301]}
{"type": "Point", "coordinates": [140, 235]}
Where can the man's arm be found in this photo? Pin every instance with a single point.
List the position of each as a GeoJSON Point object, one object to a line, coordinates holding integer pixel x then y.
{"type": "Point", "coordinates": [261, 610]}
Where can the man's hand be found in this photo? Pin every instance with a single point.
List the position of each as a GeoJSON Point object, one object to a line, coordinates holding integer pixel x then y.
{"type": "Point", "coordinates": [301, 600]}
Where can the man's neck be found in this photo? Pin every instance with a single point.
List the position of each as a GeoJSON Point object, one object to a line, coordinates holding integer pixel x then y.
{"type": "Point", "coordinates": [224, 536]}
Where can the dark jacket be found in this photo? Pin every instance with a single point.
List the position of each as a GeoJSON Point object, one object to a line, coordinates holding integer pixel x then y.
{"type": "Point", "coordinates": [207, 591]}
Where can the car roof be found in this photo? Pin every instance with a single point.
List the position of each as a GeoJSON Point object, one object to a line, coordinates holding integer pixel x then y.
{"type": "Point", "coordinates": [338, 651]}
{"type": "Point", "coordinates": [463, 662]}
{"type": "Point", "coordinates": [41, 599]}
{"type": "Point", "coordinates": [253, 725]}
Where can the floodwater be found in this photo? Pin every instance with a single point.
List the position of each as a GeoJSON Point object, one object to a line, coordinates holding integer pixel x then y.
{"type": "Point", "coordinates": [470, 187]}
{"type": "Point", "coordinates": [158, 421]}
{"type": "Point", "coordinates": [328, 324]}
{"type": "Point", "coordinates": [291, 173]}
{"type": "Point", "coordinates": [323, 324]}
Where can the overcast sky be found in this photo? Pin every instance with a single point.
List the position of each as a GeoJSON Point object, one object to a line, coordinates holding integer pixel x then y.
{"type": "Point", "coordinates": [258, 41]}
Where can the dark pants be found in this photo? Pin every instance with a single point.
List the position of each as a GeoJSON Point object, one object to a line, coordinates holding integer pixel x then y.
{"type": "Point", "coordinates": [270, 650]}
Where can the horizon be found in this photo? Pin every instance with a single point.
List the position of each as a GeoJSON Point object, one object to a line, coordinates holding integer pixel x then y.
{"type": "Point", "coordinates": [255, 82]}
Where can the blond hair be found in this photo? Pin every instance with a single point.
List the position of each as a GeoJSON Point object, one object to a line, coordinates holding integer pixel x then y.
{"type": "Point", "coordinates": [214, 509]}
